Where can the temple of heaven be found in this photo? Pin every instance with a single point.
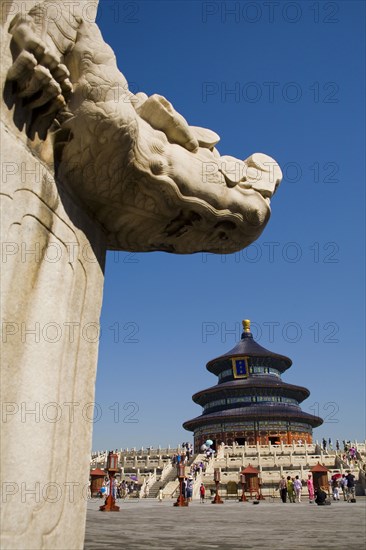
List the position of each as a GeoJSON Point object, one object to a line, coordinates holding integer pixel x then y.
{"type": "Point", "coordinates": [250, 403]}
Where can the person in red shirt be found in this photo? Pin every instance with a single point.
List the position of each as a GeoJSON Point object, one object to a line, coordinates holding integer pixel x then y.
{"type": "Point", "coordinates": [202, 493]}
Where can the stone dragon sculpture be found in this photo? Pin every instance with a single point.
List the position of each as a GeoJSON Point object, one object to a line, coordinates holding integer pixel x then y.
{"type": "Point", "coordinates": [149, 178]}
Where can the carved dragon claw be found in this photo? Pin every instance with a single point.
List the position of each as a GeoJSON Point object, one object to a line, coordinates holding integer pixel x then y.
{"type": "Point", "coordinates": [41, 79]}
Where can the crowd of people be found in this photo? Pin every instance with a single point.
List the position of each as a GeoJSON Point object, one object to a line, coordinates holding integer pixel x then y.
{"type": "Point", "coordinates": [350, 455]}
{"type": "Point", "coordinates": [185, 455]}
{"type": "Point", "coordinates": [347, 484]}
{"type": "Point", "coordinates": [121, 489]}
{"type": "Point", "coordinates": [187, 491]}
{"type": "Point", "coordinates": [195, 468]}
{"type": "Point", "coordinates": [291, 488]}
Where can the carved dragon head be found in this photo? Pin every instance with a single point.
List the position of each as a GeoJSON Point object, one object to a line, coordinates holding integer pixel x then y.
{"type": "Point", "coordinates": [151, 180]}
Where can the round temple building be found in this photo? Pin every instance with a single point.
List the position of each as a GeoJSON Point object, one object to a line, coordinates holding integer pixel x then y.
{"type": "Point", "coordinates": [250, 403]}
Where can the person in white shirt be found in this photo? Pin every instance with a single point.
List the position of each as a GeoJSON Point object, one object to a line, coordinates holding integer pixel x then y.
{"type": "Point", "coordinates": [343, 483]}
{"type": "Point", "coordinates": [297, 487]}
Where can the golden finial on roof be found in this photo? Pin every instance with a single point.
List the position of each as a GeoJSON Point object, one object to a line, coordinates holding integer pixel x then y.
{"type": "Point", "coordinates": [246, 325]}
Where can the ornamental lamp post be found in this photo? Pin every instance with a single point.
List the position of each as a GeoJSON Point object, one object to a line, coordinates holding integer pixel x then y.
{"type": "Point", "coordinates": [112, 468]}
{"type": "Point", "coordinates": [181, 500]}
{"type": "Point", "coordinates": [260, 495]}
{"type": "Point", "coordinates": [252, 481]}
{"type": "Point", "coordinates": [243, 498]}
{"type": "Point", "coordinates": [320, 476]}
{"type": "Point", "coordinates": [217, 499]}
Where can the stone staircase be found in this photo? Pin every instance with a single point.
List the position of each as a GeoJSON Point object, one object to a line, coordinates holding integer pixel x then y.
{"type": "Point", "coordinates": [170, 482]}
{"type": "Point", "coordinates": [171, 477]}
{"type": "Point", "coordinates": [171, 489]}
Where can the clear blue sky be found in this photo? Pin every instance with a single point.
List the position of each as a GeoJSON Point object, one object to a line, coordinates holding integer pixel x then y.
{"type": "Point", "coordinates": [297, 69]}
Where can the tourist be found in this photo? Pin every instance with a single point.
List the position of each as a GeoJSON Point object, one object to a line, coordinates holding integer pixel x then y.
{"type": "Point", "coordinates": [321, 496]}
{"type": "Point", "coordinates": [343, 484]}
{"type": "Point", "coordinates": [352, 454]}
{"type": "Point", "coordinates": [283, 489]}
{"type": "Point", "coordinates": [189, 489]}
{"type": "Point", "coordinates": [310, 487]}
{"type": "Point", "coordinates": [195, 469]}
{"type": "Point", "coordinates": [351, 493]}
{"type": "Point", "coordinates": [115, 488]}
{"type": "Point", "coordinates": [160, 495]}
{"type": "Point", "coordinates": [324, 444]}
{"type": "Point", "coordinates": [202, 493]}
{"type": "Point", "coordinates": [335, 488]}
{"type": "Point", "coordinates": [184, 487]}
{"type": "Point", "coordinates": [103, 490]}
{"type": "Point", "coordinates": [290, 489]}
{"type": "Point", "coordinates": [298, 488]}
{"type": "Point", "coordinates": [337, 445]}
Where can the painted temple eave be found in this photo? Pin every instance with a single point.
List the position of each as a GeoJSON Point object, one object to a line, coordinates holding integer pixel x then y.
{"type": "Point", "coordinates": [229, 388]}
{"type": "Point", "coordinates": [258, 412]}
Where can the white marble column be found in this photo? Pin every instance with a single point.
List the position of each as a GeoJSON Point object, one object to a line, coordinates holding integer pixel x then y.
{"type": "Point", "coordinates": [52, 267]}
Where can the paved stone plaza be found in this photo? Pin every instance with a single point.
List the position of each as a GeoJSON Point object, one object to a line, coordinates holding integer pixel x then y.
{"type": "Point", "coordinates": [145, 524]}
